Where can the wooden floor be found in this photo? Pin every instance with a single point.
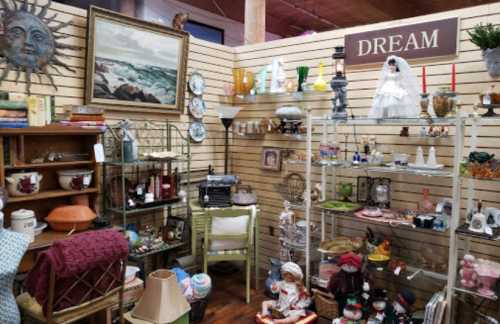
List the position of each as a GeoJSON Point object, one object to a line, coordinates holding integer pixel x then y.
{"type": "Point", "coordinates": [227, 301]}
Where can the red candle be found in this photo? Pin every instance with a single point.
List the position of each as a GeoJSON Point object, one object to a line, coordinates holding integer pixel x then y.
{"type": "Point", "coordinates": [453, 77]}
{"type": "Point", "coordinates": [424, 83]}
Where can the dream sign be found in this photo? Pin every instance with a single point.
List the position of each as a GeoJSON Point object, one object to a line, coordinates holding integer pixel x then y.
{"type": "Point", "coordinates": [437, 38]}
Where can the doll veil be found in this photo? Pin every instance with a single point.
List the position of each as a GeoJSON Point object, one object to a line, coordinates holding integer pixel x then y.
{"type": "Point", "coordinates": [408, 82]}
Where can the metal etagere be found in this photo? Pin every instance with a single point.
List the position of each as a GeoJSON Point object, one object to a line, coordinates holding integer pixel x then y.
{"type": "Point", "coordinates": [119, 172]}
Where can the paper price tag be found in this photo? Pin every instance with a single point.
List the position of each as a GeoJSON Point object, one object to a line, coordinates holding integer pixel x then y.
{"type": "Point", "coordinates": [33, 179]}
{"type": "Point", "coordinates": [86, 181]}
{"type": "Point", "coordinates": [99, 153]}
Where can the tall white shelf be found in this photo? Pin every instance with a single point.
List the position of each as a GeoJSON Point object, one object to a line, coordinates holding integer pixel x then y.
{"type": "Point", "coordinates": [459, 123]}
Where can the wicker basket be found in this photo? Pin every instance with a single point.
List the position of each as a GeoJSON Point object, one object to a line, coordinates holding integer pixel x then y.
{"type": "Point", "coordinates": [326, 306]}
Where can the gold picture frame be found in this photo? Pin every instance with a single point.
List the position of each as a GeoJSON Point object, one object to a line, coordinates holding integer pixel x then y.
{"type": "Point", "coordinates": [134, 64]}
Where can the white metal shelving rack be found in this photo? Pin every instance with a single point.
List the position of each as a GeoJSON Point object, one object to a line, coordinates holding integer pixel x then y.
{"type": "Point", "coordinates": [459, 123]}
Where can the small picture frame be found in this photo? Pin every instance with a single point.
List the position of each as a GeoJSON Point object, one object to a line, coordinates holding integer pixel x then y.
{"type": "Point", "coordinates": [176, 225]}
{"type": "Point", "coordinates": [271, 159]}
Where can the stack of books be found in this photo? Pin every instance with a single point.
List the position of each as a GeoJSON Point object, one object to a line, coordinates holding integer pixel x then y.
{"type": "Point", "coordinates": [86, 117]}
{"type": "Point", "coordinates": [13, 114]}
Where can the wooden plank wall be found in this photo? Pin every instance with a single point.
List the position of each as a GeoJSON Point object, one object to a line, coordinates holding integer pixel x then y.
{"type": "Point", "coordinates": [214, 61]}
{"type": "Point", "coordinates": [410, 245]}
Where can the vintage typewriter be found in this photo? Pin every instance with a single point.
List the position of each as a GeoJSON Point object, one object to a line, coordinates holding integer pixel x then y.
{"type": "Point", "coordinates": [216, 190]}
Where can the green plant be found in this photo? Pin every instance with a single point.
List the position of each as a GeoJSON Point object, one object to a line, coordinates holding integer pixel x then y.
{"type": "Point", "coordinates": [485, 36]}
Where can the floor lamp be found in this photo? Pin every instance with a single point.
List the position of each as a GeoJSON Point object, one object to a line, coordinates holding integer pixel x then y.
{"type": "Point", "coordinates": [226, 115]}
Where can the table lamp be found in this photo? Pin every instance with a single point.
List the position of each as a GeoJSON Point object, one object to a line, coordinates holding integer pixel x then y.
{"type": "Point", "coordinates": [226, 115]}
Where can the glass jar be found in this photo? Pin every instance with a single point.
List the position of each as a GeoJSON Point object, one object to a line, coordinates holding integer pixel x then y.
{"type": "Point", "coordinates": [441, 102]}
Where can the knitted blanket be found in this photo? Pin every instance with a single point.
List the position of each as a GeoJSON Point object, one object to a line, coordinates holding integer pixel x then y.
{"type": "Point", "coordinates": [92, 252]}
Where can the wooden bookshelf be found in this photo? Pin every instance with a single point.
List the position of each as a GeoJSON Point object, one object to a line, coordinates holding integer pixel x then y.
{"type": "Point", "coordinates": [20, 147]}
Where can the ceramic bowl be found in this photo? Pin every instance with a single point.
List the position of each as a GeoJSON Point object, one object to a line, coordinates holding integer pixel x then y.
{"type": "Point", "coordinates": [75, 179]}
{"type": "Point", "coordinates": [67, 218]}
{"type": "Point", "coordinates": [23, 183]}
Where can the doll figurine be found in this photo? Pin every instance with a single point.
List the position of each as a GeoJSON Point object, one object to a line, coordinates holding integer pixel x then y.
{"type": "Point", "coordinates": [379, 307]}
{"type": "Point", "coordinates": [293, 297]}
{"type": "Point", "coordinates": [468, 275]}
{"type": "Point", "coordinates": [348, 281]}
{"type": "Point", "coordinates": [278, 76]}
{"type": "Point", "coordinates": [397, 94]}
{"type": "Point", "coordinates": [351, 314]}
{"type": "Point", "coordinates": [401, 308]}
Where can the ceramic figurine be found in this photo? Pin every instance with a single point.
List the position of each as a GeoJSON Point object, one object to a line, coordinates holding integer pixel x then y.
{"type": "Point", "coordinates": [366, 300]}
{"type": "Point", "coordinates": [419, 160]}
{"type": "Point", "coordinates": [293, 297]}
{"type": "Point", "coordinates": [352, 313]}
{"type": "Point", "coordinates": [320, 84]}
{"type": "Point", "coordinates": [180, 19]}
{"type": "Point", "coordinates": [397, 94]}
{"type": "Point", "coordinates": [379, 307]}
{"type": "Point", "coordinates": [278, 76]}
{"type": "Point", "coordinates": [287, 215]}
{"type": "Point", "coordinates": [431, 158]}
{"type": "Point", "coordinates": [401, 308]}
{"type": "Point", "coordinates": [348, 281]}
{"type": "Point", "coordinates": [478, 221]}
{"type": "Point", "coordinates": [468, 275]}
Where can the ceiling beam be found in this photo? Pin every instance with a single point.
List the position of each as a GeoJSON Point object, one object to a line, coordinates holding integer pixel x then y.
{"type": "Point", "coordinates": [310, 14]}
{"type": "Point", "coordinates": [255, 21]}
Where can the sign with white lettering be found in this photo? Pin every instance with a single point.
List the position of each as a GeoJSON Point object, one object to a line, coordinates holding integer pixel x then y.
{"type": "Point", "coordinates": [422, 40]}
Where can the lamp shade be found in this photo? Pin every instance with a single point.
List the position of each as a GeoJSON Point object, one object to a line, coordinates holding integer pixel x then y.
{"type": "Point", "coordinates": [228, 112]}
{"type": "Point", "coordinates": [162, 301]}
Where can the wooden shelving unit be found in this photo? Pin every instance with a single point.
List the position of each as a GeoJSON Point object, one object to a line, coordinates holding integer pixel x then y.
{"type": "Point", "coordinates": [18, 147]}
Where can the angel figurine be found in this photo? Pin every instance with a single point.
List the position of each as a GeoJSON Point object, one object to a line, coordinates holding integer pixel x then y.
{"type": "Point", "coordinates": [397, 94]}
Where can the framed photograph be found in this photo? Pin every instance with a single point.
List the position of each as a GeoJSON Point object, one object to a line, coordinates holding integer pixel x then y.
{"type": "Point", "coordinates": [271, 159]}
{"type": "Point", "coordinates": [176, 227]}
{"type": "Point", "coordinates": [134, 63]}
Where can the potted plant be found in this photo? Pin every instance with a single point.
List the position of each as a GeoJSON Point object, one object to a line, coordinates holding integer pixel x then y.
{"type": "Point", "coordinates": [487, 37]}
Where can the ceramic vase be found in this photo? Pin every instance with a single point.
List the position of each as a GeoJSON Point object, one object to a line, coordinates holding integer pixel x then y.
{"type": "Point", "coordinates": [302, 72]}
{"type": "Point", "coordinates": [273, 276]}
{"type": "Point", "coordinates": [261, 81]}
{"type": "Point", "coordinates": [278, 76]}
{"type": "Point", "coordinates": [427, 205]}
{"type": "Point", "coordinates": [320, 84]}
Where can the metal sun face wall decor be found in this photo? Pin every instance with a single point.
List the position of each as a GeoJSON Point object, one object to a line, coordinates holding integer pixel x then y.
{"type": "Point", "coordinates": [28, 44]}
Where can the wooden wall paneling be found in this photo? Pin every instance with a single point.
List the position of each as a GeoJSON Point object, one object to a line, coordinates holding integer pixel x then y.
{"type": "Point", "coordinates": [472, 78]}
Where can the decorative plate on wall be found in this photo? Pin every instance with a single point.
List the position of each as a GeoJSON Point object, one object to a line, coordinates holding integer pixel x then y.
{"type": "Point", "coordinates": [197, 107]}
{"type": "Point", "coordinates": [197, 132]}
{"type": "Point", "coordinates": [197, 83]}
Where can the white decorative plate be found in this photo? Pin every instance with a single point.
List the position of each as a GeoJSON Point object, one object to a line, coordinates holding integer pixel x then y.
{"type": "Point", "coordinates": [197, 132]}
{"type": "Point", "coordinates": [197, 107]}
{"type": "Point", "coordinates": [425, 166]}
{"type": "Point", "coordinates": [196, 83]}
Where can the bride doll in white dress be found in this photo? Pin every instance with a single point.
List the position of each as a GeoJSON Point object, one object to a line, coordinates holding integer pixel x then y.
{"type": "Point", "coordinates": [397, 94]}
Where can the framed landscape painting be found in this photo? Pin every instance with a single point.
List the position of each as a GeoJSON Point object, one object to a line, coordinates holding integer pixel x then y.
{"type": "Point", "coordinates": [134, 63]}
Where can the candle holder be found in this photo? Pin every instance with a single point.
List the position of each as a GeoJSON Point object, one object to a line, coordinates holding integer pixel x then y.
{"type": "Point", "coordinates": [424, 106]}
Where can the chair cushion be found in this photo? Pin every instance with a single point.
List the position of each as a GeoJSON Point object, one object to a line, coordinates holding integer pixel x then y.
{"type": "Point", "coordinates": [228, 252]}
{"type": "Point", "coordinates": [229, 226]}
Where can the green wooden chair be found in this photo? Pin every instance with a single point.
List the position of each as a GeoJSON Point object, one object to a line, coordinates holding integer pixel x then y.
{"type": "Point", "coordinates": [241, 254]}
